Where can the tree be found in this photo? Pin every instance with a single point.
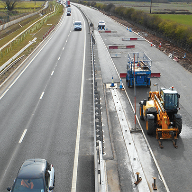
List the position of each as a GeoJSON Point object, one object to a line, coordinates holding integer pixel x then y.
{"type": "Point", "coordinates": [10, 4]}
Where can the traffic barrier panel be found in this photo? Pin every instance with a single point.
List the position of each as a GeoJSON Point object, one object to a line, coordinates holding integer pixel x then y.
{"type": "Point", "coordinates": [123, 75]}
{"type": "Point", "coordinates": [130, 46]}
{"type": "Point", "coordinates": [156, 75]}
{"type": "Point", "coordinates": [107, 31]}
{"type": "Point", "coordinates": [121, 46]}
{"type": "Point", "coordinates": [113, 47]}
{"type": "Point", "coordinates": [133, 39]}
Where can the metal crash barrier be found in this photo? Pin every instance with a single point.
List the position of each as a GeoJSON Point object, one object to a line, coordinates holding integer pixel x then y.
{"type": "Point", "coordinates": [99, 163]}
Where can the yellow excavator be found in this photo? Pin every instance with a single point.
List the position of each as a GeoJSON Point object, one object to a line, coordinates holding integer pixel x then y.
{"type": "Point", "coordinates": [160, 112]}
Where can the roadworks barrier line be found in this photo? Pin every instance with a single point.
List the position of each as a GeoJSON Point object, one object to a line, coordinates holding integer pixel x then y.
{"type": "Point", "coordinates": [107, 31]}
{"type": "Point", "coordinates": [133, 39]}
{"type": "Point", "coordinates": [121, 46]}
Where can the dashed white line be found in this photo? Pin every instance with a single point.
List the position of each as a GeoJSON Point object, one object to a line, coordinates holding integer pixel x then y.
{"type": "Point", "coordinates": [52, 73]}
{"type": "Point", "coordinates": [22, 136]}
{"type": "Point", "coordinates": [59, 58]}
{"type": "Point", "coordinates": [42, 95]}
{"type": "Point", "coordinates": [76, 157]}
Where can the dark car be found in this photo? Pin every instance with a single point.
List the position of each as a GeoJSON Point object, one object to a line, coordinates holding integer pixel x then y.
{"type": "Point", "coordinates": [35, 175]}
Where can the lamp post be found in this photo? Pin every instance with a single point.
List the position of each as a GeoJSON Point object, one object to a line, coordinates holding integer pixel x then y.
{"type": "Point", "coordinates": [150, 6]}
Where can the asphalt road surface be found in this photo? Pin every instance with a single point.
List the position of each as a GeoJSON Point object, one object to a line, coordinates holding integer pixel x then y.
{"type": "Point", "coordinates": [175, 164]}
{"type": "Point", "coordinates": [50, 104]}
{"type": "Point", "coordinates": [45, 110]}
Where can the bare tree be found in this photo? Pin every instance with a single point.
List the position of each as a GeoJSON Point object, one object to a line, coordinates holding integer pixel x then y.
{"type": "Point", "coordinates": [10, 4]}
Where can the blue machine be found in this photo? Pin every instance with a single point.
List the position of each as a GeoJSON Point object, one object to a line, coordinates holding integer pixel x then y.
{"type": "Point", "coordinates": [138, 70]}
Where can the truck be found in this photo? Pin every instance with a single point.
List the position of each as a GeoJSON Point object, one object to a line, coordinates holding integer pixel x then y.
{"type": "Point", "coordinates": [160, 112]}
{"type": "Point", "coordinates": [68, 4]}
{"type": "Point", "coordinates": [101, 25]}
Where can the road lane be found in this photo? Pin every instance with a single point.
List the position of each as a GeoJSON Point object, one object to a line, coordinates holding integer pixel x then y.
{"type": "Point", "coordinates": [41, 108]}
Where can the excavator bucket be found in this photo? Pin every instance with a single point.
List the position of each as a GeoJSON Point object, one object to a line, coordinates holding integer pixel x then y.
{"type": "Point", "coordinates": [157, 75]}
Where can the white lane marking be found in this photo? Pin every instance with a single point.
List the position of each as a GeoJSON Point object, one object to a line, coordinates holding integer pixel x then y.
{"type": "Point", "coordinates": [22, 136]}
{"type": "Point", "coordinates": [52, 73]}
{"type": "Point", "coordinates": [42, 95]}
{"type": "Point", "coordinates": [59, 58]}
{"type": "Point", "coordinates": [27, 64]}
{"type": "Point", "coordinates": [76, 157]}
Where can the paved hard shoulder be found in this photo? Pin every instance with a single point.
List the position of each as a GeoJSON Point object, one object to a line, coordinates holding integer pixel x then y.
{"type": "Point", "coordinates": [106, 63]}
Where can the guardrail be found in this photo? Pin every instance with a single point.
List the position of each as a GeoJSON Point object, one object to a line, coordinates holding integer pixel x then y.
{"type": "Point", "coordinates": [99, 163]}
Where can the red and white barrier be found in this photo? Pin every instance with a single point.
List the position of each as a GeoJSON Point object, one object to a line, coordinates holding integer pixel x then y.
{"type": "Point", "coordinates": [107, 31]}
{"type": "Point", "coordinates": [133, 39]}
{"type": "Point", "coordinates": [121, 46]}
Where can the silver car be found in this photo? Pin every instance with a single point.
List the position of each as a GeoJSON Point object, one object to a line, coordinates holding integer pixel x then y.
{"type": "Point", "coordinates": [77, 26]}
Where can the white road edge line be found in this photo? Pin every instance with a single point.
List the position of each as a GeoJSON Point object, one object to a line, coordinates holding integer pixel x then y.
{"type": "Point", "coordinates": [22, 136]}
{"type": "Point", "coordinates": [76, 157]}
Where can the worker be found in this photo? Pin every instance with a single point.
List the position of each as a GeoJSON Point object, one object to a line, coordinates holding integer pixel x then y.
{"type": "Point", "coordinates": [27, 183]}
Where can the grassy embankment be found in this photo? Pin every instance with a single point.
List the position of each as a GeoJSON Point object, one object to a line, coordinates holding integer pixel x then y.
{"type": "Point", "coordinates": [173, 7]}
{"type": "Point", "coordinates": [182, 19]}
{"type": "Point", "coordinates": [38, 30]}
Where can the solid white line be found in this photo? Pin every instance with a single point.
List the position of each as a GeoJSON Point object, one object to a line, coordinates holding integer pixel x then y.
{"type": "Point", "coordinates": [76, 157]}
{"type": "Point", "coordinates": [22, 136]}
{"type": "Point", "coordinates": [42, 95]}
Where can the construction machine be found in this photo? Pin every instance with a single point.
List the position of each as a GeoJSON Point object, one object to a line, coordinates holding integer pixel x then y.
{"type": "Point", "coordinates": [138, 70]}
{"type": "Point", "coordinates": [160, 112]}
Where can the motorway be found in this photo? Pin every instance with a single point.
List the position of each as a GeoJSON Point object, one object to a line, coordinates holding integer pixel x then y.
{"type": "Point", "coordinates": [48, 106]}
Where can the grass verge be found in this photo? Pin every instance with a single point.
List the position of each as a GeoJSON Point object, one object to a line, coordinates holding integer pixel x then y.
{"type": "Point", "coordinates": [37, 31]}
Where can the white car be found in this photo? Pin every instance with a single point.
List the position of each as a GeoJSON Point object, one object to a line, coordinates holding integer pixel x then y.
{"type": "Point", "coordinates": [101, 25]}
{"type": "Point", "coordinates": [77, 26]}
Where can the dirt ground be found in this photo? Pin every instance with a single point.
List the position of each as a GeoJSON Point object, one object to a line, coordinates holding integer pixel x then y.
{"type": "Point", "coordinates": [178, 54]}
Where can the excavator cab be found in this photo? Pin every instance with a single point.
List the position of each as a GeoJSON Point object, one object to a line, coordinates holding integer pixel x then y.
{"type": "Point", "coordinates": [170, 99]}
